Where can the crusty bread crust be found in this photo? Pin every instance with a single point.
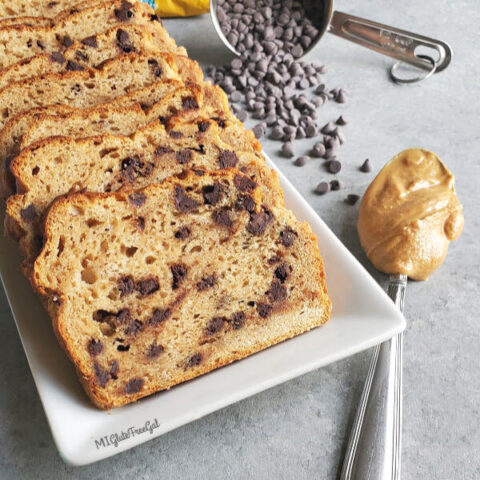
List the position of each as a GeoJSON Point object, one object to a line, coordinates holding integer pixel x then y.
{"type": "Point", "coordinates": [302, 301]}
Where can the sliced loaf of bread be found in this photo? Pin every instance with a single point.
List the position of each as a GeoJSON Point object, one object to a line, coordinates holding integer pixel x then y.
{"type": "Point", "coordinates": [19, 42]}
{"type": "Point", "coordinates": [90, 52]}
{"type": "Point", "coordinates": [149, 288]}
{"type": "Point", "coordinates": [106, 163]}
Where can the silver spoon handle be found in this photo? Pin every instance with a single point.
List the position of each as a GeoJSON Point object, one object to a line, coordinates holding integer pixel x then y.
{"type": "Point", "coordinates": [374, 447]}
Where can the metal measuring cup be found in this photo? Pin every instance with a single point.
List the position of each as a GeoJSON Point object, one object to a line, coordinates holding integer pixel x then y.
{"type": "Point", "coordinates": [399, 44]}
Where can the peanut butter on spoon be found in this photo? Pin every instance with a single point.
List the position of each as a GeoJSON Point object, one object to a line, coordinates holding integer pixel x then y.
{"type": "Point", "coordinates": [409, 215]}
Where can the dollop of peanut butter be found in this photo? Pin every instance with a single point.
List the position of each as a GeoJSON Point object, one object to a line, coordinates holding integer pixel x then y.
{"type": "Point", "coordinates": [410, 214]}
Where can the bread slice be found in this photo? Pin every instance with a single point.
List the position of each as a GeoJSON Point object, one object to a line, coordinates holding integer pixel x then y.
{"type": "Point", "coordinates": [116, 77]}
{"type": "Point", "coordinates": [106, 163]}
{"type": "Point", "coordinates": [165, 95]}
{"type": "Point", "coordinates": [185, 103]}
{"type": "Point", "coordinates": [150, 288]}
{"type": "Point", "coordinates": [18, 42]}
{"type": "Point", "coordinates": [37, 8]}
{"type": "Point", "coordinates": [91, 52]}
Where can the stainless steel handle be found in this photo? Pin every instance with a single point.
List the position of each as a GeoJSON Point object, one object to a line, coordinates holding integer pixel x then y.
{"type": "Point", "coordinates": [374, 447]}
{"type": "Point", "coordinates": [390, 41]}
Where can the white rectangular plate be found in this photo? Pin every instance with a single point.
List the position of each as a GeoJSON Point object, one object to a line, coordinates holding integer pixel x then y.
{"type": "Point", "coordinates": [362, 316]}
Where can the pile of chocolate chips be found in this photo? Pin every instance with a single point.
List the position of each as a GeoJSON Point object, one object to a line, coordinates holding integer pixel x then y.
{"type": "Point", "coordinates": [281, 91]}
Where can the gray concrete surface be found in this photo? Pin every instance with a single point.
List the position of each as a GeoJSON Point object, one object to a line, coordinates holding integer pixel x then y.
{"type": "Point", "coordinates": [299, 429]}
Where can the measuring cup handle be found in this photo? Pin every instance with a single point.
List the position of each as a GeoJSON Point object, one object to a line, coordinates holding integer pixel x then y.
{"type": "Point", "coordinates": [390, 41]}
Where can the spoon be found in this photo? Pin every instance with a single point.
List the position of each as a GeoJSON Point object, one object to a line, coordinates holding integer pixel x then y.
{"type": "Point", "coordinates": [374, 448]}
{"type": "Point", "coordinates": [409, 215]}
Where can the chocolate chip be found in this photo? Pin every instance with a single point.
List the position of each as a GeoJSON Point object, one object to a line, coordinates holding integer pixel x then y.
{"type": "Point", "coordinates": [322, 188]}
{"type": "Point", "coordinates": [334, 166]}
{"type": "Point", "coordinates": [244, 184]}
{"type": "Point", "coordinates": [175, 135]}
{"type": "Point", "coordinates": [123, 348]}
{"type": "Point", "coordinates": [95, 347]}
{"type": "Point", "coordinates": [212, 194]}
{"type": "Point", "coordinates": [134, 328]}
{"type": "Point", "coordinates": [301, 161]}
{"type": "Point", "coordinates": [124, 13]}
{"type": "Point", "coordinates": [194, 360]}
{"type": "Point", "coordinates": [245, 202]}
{"type": "Point", "coordinates": [366, 166]}
{"type": "Point", "coordinates": [182, 233]}
{"type": "Point", "coordinates": [221, 122]}
{"type": "Point", "coordinates": [221, 217]}
{"type": "Point", "coordinates": [282, 272]}
{"type": "Point", "coordinates": [183, 156]}
{"type": "Point", "coordinates": [28, 214]}
{"type": "Point", "coordinates": [341, 120]}
{"type": "Point", "coordinates": [277, 292]}
{"type": "Point", "coordinates": [259, 222]}
{"type": "Point", "coordinates": [125, 285]}
{"type": "Point", "coordinates": [179, 272]}
{"type": "Point", "coordinates": [227, 159]}
{"type": "Point", "coordinates": [238, 320]}
{"type": "Point", "coordinates": [114, 369]}
{"type": "Point", "coordinates": [134, 167]}
{"type": "Point", "coordinates": [41, 45]}
{"type": "Point", "coordinates": [159, 316]}
{"type": "Point", "coordinates": [101, 374]}
{"type": "Point", "coordinates": [184, 203]}
{"type": "Point", "coordinates": [206, 282]}
{"type": "Point", "coordinates": [57, 57]}
{"type": "Point", "coordinates": [215, 325]}
{"type": "Point", "coordinates": [264, 309]}
{"type": "Point", "coordinates": [287, 237]}
{"type": "Point", "coordinates": [336, 184]}
{"type": "Point", "coordinates": [275, 259]}
{"type": "Point", "coordinates": [203, 126]}
{"type": "Point", "coordinates": [141, 223]}
{"type": "Point", "coordinates": [67, 42]}
{"type": "Point", "coordinates": [147, 286]}
{"type": "Point", "coordinates": [154, 350]}
{"type": "Point", "coordinates": [287, 150]}
{"type": "Point", "coordinates": [123, 317]}
{"type": "Point", "coordinates": [156, 68]}
{"type": "Point", "coordinates": [81, 56]}
{"type": "Point", "coordinates": [155, 18]}
{"type": "Point", "coordinates": [90, 41]}
{"type": "Point", "coordinates": [134, 385]}
{"type": "Point", "coordinates": [74, 66]}
{"type": "Point", "coordinates": [159, 151]}
{"type": "Point", "coordinates": [189, 103]}
{"type": "Point", "coordinates": [137, 199]}
{"type": "Point", "coordinates": [352, 199]}
{"type": "Point", "coordinates": [123, 41]}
